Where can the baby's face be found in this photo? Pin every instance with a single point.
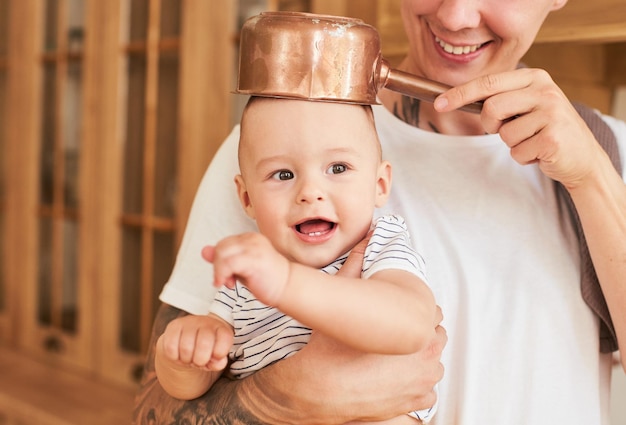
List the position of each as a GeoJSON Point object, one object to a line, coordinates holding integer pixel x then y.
{"type": "Point", "coordinates": [311, 176]}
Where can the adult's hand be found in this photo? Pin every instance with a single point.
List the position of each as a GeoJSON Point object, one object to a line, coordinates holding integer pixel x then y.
{"type": "Point", "coordinates": [353, 265]}
{"type": "Point", "coordinates": [535, 119]}
{"type": "Point", "coordinates": [328, 383]}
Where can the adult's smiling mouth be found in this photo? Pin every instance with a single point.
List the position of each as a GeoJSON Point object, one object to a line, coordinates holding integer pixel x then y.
{"type": "Point", "coordinates": [458, 50]}
{"type": "Point", "coordinates": [315, 227]}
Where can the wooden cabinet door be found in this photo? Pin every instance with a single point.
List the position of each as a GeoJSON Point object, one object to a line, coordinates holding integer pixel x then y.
{"type": "Point", "coordinates": [141, 239]}
{"type": "Point", "coordinates": [113, 112]}
{"type": "Point", "coordinates": [175, 82]}
{"type": "Point", "coordinates": [45, 212]}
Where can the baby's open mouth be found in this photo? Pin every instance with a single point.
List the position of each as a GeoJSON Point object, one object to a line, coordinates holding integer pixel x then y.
{"type": "Point", "coordinates": [316, 227]}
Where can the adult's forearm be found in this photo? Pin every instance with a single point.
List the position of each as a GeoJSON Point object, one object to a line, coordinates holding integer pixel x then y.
{"type": "Point", "coordinates": [229, 402]}
{"type": "Point", "coordinates": [220, 406]}
{"type": "Point", "coordinates": [601, 205]}
{"type": "Point", "coordinates": [278, 395]}
{"type": "Point", "coordinates": [325, 383]}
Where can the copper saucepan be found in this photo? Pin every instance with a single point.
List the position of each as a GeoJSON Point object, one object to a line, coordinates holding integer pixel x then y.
{"type": "Point", "coordinates": [321, 57]}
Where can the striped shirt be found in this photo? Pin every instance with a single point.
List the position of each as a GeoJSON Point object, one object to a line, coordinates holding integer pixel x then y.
{"type": "Point", "coordinates": [264, 335]}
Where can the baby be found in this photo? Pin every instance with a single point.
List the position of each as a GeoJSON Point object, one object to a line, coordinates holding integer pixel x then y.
{"type": "Point", "coordinates": [312, 175]}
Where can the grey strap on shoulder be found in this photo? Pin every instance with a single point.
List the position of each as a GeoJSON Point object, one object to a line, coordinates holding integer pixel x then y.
{"type": "Point", "coordinates": [590, 286]}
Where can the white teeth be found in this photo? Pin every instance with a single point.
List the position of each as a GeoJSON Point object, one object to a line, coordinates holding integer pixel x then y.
{"type": "Point", "coordinates": [456, 50]}
{"type": "Point", "coordinates": [315, 234]}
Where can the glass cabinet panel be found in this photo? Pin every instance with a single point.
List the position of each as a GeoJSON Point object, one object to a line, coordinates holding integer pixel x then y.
{"type": "Point", "coordinates": [165, 149]}
{"type": "Point", "coordinates": [59, 199]}
{"type": "Point", "coordinates": [138, 20]}
{"type": "Point", "coordinates": [170, 19]}
{"type": "Point", "coordinates": [135, 123]}
{"type": "Point", "coordinates": [4, 6]}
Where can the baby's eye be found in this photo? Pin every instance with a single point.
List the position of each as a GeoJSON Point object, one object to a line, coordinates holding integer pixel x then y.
{"type": "Point", "coordinates": [283, 175]}
{"type": "Point", "coordinates": [337, 168]}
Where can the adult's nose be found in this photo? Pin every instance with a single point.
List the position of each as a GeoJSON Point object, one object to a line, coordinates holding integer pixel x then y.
{"type": "Point", "coordinates": [456, 15]}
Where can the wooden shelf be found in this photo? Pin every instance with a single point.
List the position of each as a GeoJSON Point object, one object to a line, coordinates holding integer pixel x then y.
{"type": "Point", "coordinates": [586, 21]}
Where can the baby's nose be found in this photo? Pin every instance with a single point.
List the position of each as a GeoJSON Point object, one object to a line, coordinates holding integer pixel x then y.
{"type": "Point", "coordinates": [310, 192]}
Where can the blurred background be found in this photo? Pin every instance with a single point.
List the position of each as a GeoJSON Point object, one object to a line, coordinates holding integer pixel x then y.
{"type": "Point", "coordinates": [110, 112]}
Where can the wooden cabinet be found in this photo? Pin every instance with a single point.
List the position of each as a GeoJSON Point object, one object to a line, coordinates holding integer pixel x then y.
{"type": "Point", "coordinates": [113, 111]}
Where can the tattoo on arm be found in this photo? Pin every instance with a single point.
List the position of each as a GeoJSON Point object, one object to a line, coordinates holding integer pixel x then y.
{"type": "Point", "coordinates": [153, 406]}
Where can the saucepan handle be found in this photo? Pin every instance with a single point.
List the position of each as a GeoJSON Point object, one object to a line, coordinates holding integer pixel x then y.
{"type": "Point", "coordinates": [417, 87]}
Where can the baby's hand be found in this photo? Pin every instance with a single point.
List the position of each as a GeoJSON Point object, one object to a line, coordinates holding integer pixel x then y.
{"type": "Point", "coordinates": [250, 258]}
{"type": "Point", "coordinates": [197, 341]}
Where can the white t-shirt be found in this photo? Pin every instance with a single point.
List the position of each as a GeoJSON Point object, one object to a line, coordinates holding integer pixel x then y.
{"type": "Point", "coordinates": [502, 261]}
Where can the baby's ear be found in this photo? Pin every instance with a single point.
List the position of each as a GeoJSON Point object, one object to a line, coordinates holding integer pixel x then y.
{"type": "Point", "coordinates": [383, 183]}
{"type": "Point", "coordinates": [244, 197]}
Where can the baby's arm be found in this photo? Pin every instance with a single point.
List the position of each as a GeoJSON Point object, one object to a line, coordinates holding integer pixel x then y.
{"type": "Point", "coordinates": [191, 354]}
{"type": "Point", "coordinates": [391, 313]}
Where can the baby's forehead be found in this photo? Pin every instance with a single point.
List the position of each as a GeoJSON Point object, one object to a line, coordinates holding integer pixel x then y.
{"type": "Point", "coordinates": [339, 123]}
{"type": "Point", "coordinates": [292, 114]}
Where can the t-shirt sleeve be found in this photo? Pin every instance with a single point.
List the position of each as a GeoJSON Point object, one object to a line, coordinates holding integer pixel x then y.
{"type": "Point", "coordinates": [215, 214]}
{"type": "Point", "coordinates": [224, 303]}
{"type": "Point", "coordinates": [390, 248]}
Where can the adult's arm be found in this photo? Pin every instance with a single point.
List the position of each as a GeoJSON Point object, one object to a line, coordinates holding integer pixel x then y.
{"type": "Point", "coordinates": [600, 200]}
{"type": "Point", "coordinates": [324, 383]}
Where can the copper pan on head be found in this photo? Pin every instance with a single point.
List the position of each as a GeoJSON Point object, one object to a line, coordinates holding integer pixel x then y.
{"type": "Point", "coordinates": [322, 57]}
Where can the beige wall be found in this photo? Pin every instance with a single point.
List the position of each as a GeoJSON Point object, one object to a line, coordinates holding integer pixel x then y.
{"type": "Point", "coordinates": [587, 72]}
